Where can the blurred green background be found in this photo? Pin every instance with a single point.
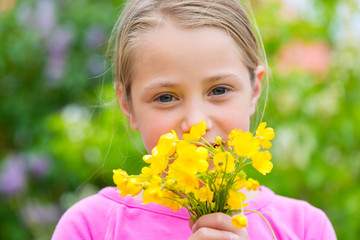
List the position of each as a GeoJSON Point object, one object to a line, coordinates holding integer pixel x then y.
{"type": "Point", "coordinates": [61, 132]}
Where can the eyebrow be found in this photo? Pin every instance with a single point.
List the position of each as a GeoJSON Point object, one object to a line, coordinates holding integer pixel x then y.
{"type": "Point", "coordinates": [220, 77]}
{"type": "Point", "coordinates": [206, 80]}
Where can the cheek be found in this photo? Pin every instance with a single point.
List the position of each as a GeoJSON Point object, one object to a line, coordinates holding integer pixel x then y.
{"type": "Point", "coordinates": [151, 132]}
{"type": "Point", "coordinates": [150, 125]}
{"type": "Point", "coordinates": [240, 121]}
{"type": "Point", "coordinates": [235, 116]}
{"type": "Point", "coordinates": [148, 137]}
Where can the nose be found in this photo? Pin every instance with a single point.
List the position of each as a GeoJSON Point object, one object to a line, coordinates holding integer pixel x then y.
{"type": "Point", "coordinates": [192, 114]}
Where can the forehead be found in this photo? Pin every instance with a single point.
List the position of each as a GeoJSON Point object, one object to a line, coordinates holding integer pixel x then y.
{"type": "Point", "coordinates": [169, 29]}
{"type": "Point", "coordinates": [174, 44]}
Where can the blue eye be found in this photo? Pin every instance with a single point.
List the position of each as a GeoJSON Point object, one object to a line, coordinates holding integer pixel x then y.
{"type": "Point", "coordinates": [166, 98]}
{"type": "Point", "coordinates": [219, 91]}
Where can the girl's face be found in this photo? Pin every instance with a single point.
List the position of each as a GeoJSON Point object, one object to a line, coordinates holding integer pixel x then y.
{"type": "Point", "coordinates": [182, 75]}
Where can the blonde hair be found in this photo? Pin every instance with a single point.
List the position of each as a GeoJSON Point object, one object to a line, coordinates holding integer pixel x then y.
{"type": "Point", "coordinates": [141, 16]}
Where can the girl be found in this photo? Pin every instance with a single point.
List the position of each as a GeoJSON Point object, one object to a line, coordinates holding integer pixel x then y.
{"type": "Point", "coordinates": [176, 62]}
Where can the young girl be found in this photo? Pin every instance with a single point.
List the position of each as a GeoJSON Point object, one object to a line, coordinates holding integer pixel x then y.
{"type": "Point", "coordinates": [177, 62]}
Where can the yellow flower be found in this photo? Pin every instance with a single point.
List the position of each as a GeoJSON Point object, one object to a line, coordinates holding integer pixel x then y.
{"type": "Point", "coordinates": [261, 162]}
{"type": "Point", "coordinates": [244, 144]}
{"type": "Point", "coordinates": [204, 194]}
{"type": "Point", "coordinates": [185, 182]}
{"type": "Point", "coordinates": [155, 181]}
{"type": "Point", "coordinates": [233, 133]}
{"type": "Point", "coordinates": [159, 165]}
{"type": "Point", "coordinates": [191, 159]}
{"type": "Point", "coordinates": [236, 199]}
{"type": "Point", "coordinates": [224, 161]}
{"type": "Point", "coordinates": [265, 135]}
{"type": "Point", "coordinates": [239, 221]}
{"type": "Point", "coordinates": [252, 184]}
{"type": "Point", "coordinates": [166, 145]}
{"type": "Point", "coordinates": [170, 183]}
{"type": "Point", "coordinates": [196, 132]}
{"type": "Point", "coordinates": [146, 171]}
{"type": "Point", "coordinates": [178, 173]}
{"type": "Point", "coordinates": [132, 187]}
{"type": "Point", "coordinates": [147, 158]}
{"type": "Point", "coordinates": [239, 183]}
{"type": "Point", "coordinates": [119, 176]}
{"type": "Point", "coordinates": [169, 200]}
{"type": "Point", "coordinates": [152, 194]}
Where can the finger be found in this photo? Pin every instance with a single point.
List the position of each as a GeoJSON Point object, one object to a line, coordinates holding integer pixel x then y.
{"type": "Point", "coordinates": [213, 234]}
{"type": "Point", "coordinates": [243, 234]}
{"type": "Point", "coordinates": [219, 221]}
{"type": "Point", "coordinates": [191, 223]}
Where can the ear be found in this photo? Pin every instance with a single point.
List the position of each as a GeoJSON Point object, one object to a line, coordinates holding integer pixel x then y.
{"type": "Point", "coordinates": [259, 75]}
{"type": "Point", "coordinates": [126, 107]}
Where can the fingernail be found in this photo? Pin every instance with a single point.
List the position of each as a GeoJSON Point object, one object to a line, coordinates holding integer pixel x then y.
{"type": "Point", "coordinates": [234, 236]}
{"type": "Point", "coordinates": [193, 227]}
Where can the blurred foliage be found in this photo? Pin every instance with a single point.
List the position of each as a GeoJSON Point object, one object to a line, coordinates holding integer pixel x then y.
{"type": "Point", "coordinates": [61, 132]}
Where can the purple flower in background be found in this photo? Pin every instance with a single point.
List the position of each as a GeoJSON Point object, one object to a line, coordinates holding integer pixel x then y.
{"type": "Point", "coordinates": [13, 175]}
{"type": "Point", "coordinates": [94, 36]}
{"type": "Point", "coordinates": [55, 67]}
{"type": "Point", "coordinates": [39, 165]}
{"type": "Point", "coordinates": [44, 17]}
{"type": "Point", "coordinates": [60, 40]}
{"type": "Point", "coordinates": [40, 214]}
{"type": "Point", "coordinates": [58, 43]}
{"type": "Point", "coordinates": [95, 65]}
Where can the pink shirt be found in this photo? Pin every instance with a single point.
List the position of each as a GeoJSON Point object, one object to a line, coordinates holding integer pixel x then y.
{"type": "Point", "coordinates": [106, 215]}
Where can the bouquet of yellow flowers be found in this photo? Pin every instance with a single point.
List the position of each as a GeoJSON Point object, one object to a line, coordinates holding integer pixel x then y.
{"type": "Point", "coordinates": [199, 176]}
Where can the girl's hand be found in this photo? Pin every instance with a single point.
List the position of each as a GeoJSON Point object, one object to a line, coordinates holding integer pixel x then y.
{"type": "Point", "coordinates": [216, 226]}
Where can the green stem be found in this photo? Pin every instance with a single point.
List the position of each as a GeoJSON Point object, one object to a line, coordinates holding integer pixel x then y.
{"type": "Point", "coordinates": [173, 199]}
{"type": "Point", "coordinates": [198, 143]}
{"type": "Point", "coordinates": [272, 231]}
{"type": "Point", "coordinates": [211, 146]}
{"type": "Point", "coordinates": [208, 147]}
{"type": "Point", "coordinates": [222, 147]}
{"type": "Point", "coordinates": [245, 164]}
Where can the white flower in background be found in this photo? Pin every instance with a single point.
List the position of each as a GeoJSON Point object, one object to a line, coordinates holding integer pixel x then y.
{"type": "Point", "coordinates": [295, 8]}
{"type": "Point", "coordinates": [287, 101]}
{"type": "Point", "coordinates": [76, 119]}
{"type": "Point", "coordinates": [294, 145]}
{"type": "Point", "coordinates": [324, 104]}
{"type": "Point", "coordinates": [92, 155]}
{"type": "Point", "coordinates": [346, 24]}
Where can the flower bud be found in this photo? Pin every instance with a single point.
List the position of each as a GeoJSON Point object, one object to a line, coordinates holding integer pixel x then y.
{"type": "Point", "coordinates": [145, 185]}
{"type": "Point", "coordinates": [170, 183]}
